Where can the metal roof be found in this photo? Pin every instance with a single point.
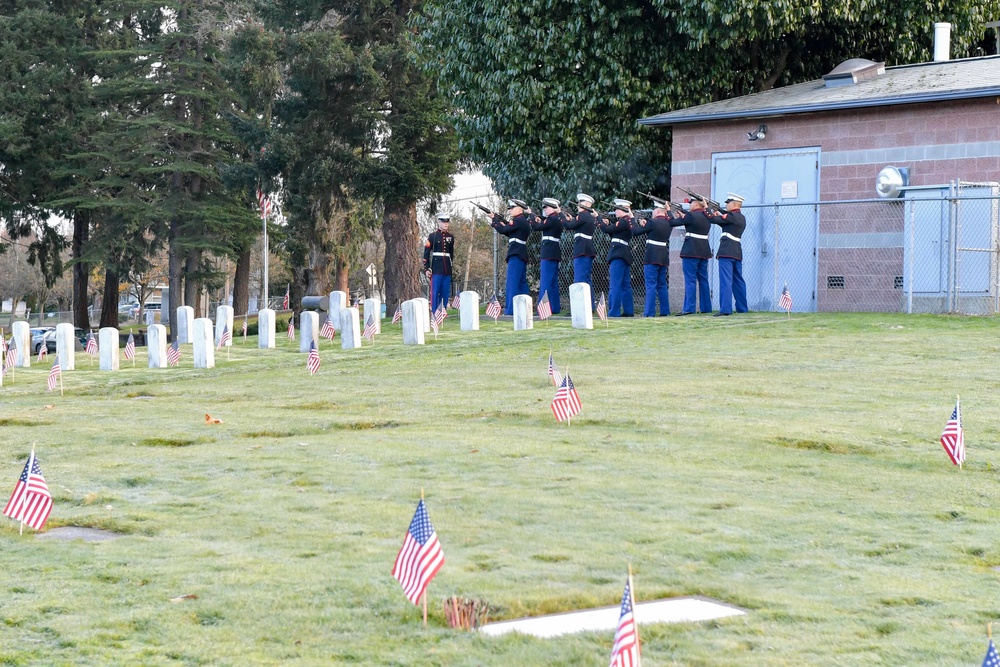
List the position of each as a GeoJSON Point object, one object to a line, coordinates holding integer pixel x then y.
{"type": "Point", "coordinates": [967, 78]}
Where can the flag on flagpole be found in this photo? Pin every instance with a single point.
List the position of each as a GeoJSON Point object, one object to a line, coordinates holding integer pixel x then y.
{"type": "Point", "coordinates": [953, 438]}
{"type": "Point", "coordinates": [554, 373]}
{"type": "Point", "coordinates": [420, 557]}
{"type": "Point", "coordinates": [566, 404]}
{"type": "Point", "coordinates": [457, 301]}
{"type": "Point", "coordinates": [291, 330]}
{"type": "Point", "coordinates": [91, 347]}
{"type": "Point", "coordinates": [130, 348]}
{"type": "Point", "coordinates": [625, 652]}
{"type": "Point", "coordinates": [602, 309]}
{"type": "Point", "coordinates": [544, 307]}
{"type": "Point", "coordinates": [31, 501]}
{"type": "Point", "coordinates": [245, 327]}
{"type": "Point", "coordinates": [312, 363]}
{"type": "Point", "coordinates": [370, 328]}
{"type": "Point", "coordinates": [992, 659]}
{"type": "Point", "coordinates": [284, 301]}
{"type": "Point", "coordinates": [785, 302]}
{"type": "Point", "coordinates": [53, 380]}
{"type": "Point", "coordinates": [226, 338]}
{"type": "Point", "coordinates": [174, 354]}
{"type": "Point", "coordinates": [398, 315]}
{"type": "Point", "coordinates": [328, 331]}
{"type": "Point", "coordinates": [264, 202]}
{"type": "Point", "coordinates": [494, 309]}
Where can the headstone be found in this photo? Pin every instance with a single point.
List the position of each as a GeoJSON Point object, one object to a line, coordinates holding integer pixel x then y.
{"type": "Point", "coordinates": [22, 343]}
{"type": "Point", "coordinates": [374, 306]}
{"type": "Point", "coordinates": [469, 310]}
{"type": "Point", "coordinates": [8, 306]}
{"type": "Point", "coordinates": [426, 312]}
{"type": "Point", "coordinates": [336, 303]}
{"type": "Point", "coordinates": [523, 314]}
{"type": "Point", "coordinates": [156, 345]}
{"type": "Point", "coordinates": [204, 343]}
{"type": "Point", "coordinates": [581, 305]}
{"type": "Point", "coordinates": [107, 343]}
{"type": "Point", "coordinates": [308, 330]}
{"type": "Point", "coordinates": [265, 328]}
{"type": "Point", "coordinates": [185, 324]}
{"type": "Point", "coordinates": [413, 322]}
{"type": "Point", "coordinates": [150, 317]}
{"type": "Point", "coordinates": [22, 309]}
{"type": "Point", "coordinates": [224, 318]}
{"type": "Point", "coordinates": [66, 346]}
{"type": "Point", "coordinates": [350, 328]}
{"type": "Point", "coordinates": [165, 305]}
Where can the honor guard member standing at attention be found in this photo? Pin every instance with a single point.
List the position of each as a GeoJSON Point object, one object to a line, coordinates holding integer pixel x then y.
{"type": "Point", "coordinates": [551, 226]}
{"type": "Point", "coordinates": [730, 255]}
{"type": "Point", "coordinates": [654, 265]}
{"type": "Point", "coordinates": [619, 259]}
{"type": "Point", "coordinates": [695, 254]}
{"type": "Point", "coordinates": [439, 255]}
{"type": "Point", "coordinates": [517, 232]}
{"type": "Point", "coordinates": [583, 239]}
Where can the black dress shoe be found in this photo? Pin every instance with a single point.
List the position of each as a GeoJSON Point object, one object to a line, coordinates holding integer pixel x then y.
{"type": "Point", "coordinates": [682, 314]}
{"type": "Point", "coordinates": [721, 315]}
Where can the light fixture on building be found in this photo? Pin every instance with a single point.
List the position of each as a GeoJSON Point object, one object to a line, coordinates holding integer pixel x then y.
{"type": "Point", "coordinates": [890, 182]}
{"type": "Point", "coordinates": [759, 133]}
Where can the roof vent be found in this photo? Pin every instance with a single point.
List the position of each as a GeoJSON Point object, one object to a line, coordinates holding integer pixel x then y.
{"type": "Point", "coordinates": [852, 71]}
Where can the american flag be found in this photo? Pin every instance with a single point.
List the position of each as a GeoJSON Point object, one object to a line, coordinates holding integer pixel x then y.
{"type": "Point", "coordinates": [245, 327]}
{"type": "Point", "coordinates": [53, 380]}
{"type": "Point", "coordinates": [953, 438]}
{"type": "Point", "coordinates": [284, 301]}
{"type": "Point", "coordinates": [31, 501]}
{"type": "Point", "coordinates": [3, 342]}
{"type": "Point", "coordinates": [554, 373]}
{"type": "Point", "coordinates": [457, 301]}
{"type": "Point", "coordinates": [434, 323]}
{"type": "Point", "coordinates": [991, 659]}
{"type": "Point", "coordinates": [420, 557]}
{"type": "Point", "coordinates": [43, 350]}
{"type": "Point", "coordinates": [174, 354]}
{"type": "Point", "coordinates": [226, 338]}
{"type": "Point", "coordinates": [130, 347]}
{"type": "Point", "coordinates": [264, 202]}
{"type": "Point", "coordinates": [398, 315]}
{"type": "Point", "coordinates": [544, 308]}
{"type": "Point", "coordinates": [312, 363]}
{"type": "Point", "coordinates": [91, 348]}
{"type": "Point", "coordinates": [625, 652]}
{"type": "Point", "coordinates": [785, 302]}
{"type": "Point", "coordinates": [370, 328]}
{"type": "Point", "coordinates": [494, 309]}
{"type": "Point", "coordinates": [291, 330]}
{"type": "Point", "coordinates": [11, 357]}
{"type": "Point", "coordinates": [602, 308]}
{"type": "Point", "coordinates": [566, 404]}
{"type": "Point", "coordinates": [328, 331]}
{"type": "Point", "coordinates": [440, 315]}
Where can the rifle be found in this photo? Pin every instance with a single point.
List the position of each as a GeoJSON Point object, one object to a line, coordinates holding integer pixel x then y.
{"type": "Point", "coordinates": [660, 202]}
{"type": "Point", "coordinates": [710, 203]}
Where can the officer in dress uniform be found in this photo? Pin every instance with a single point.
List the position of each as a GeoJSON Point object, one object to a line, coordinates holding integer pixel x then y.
{"type": "Point", "coordinates": [517, 232]}
{"type": "Point", "coordinates": [551, 226]}
{"type": "Point", "coordinates": [695, 254]}
{"type": "Point", "coordinates": [654, 265]}
{"type": "Point", "coordinates": [730, 255]}
{"type": "Point", "coordinates": [619, 259]}
{"type": "Point", "coordinates": [583, 226]}
{"type": "Point", "coordinates": [439, 255]}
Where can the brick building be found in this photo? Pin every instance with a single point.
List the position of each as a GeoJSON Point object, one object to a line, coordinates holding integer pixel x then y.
{"type": "Point", "coordinates": [827, 141]}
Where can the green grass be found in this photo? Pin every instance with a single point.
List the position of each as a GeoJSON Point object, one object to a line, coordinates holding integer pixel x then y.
{"type": "Point", "coordinates": [789, 466]}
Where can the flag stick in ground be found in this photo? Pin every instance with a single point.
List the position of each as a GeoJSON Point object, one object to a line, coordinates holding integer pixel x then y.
{"type": "Point", "coordinates": [425, 590]}
{"type": "Point", "coordinates": [24, 496]}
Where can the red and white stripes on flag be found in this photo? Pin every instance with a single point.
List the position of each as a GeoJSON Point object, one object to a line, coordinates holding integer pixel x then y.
{"type": "Point", "coordinates": [53, 380]}
{"type": "Point", "coordinates": [420, 557]}
{"type": "Point", "coordinates": [226, 338]}
{"type": "Point", "coordinates": [174, 354]}
{"type": "Point", "coordinates": [10, 358]}
{"type": "Point", "coordinates": [554, 372]}
{"type": "Point", "coordinates": [245, 327]}
{"type": "Point", "coordinates": [566, 404]}
{"type": "Point", "coordinates": [288, 294]}
{"type": "Point", "coordinates": [544, 307]}
{"type": "Point", "coordinates": [31, 501]}
{"type": "Point", "coordinates": [291, 330]}
{"type": "Point", "coordinates": [312, 362]}
{"type": "Point", "coordinates": [398, 315]}
{"type": "Point", "coordinates": [441, 315]}
{"type": "Point", "coordinates": [602, 308]}
{"type": "Point", "coordinates": [264, 202]}
{"type": "Point", "coordinates": [953, 438]}
{"type": "Point", "coordinates": [43, 350]}
{"type": "Point", "coordinates": [457, 301]}
{"type": "Point", "coordinates": [785, 302]}
{"type": "Point", "coordinates": [370, 328]}
{"type": "Point", "coordinates": [91, 348]}
{"type": "Point", "coordinates": [328, 331]}
{"type": "Point", "coordinates": [130, 348]}
{"type": "Point", "coordinates": [625, 652]}
{"type": "Point", "coordinates": [494, 309]}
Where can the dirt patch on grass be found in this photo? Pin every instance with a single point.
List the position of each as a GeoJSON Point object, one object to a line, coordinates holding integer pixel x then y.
{"type": "Point", "coordinates": [365, 425]}
{"type": "Point", "coordinates": [13, 421]}
{"type": "Point", "coordinates": [167, 442]}
{"type": "Point", "coordinates": [821, 446]}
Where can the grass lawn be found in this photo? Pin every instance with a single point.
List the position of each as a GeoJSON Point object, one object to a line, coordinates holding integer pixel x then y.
{"type": "Point", "coordinates": [788, 466]}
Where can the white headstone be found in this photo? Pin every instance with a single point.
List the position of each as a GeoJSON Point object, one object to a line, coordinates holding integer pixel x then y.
{"type": "Point", "coordinates": [308, 330]}
{"type": "Point", "coordinates": [165, 305]}
{"type": "Point", "coordinates": [469, 310]}
{"type": "Point", "coordinates": [107, 343]}
{"type": "Point", "coordinates": [581, 305]}
{"type": "Point", "coordinates": [523, 314]}
{"type": "Point", "coordinates": [337, 302]}
{"type": "Point", "coordinates": [374, 306]}
{"type": "Point", "coordinates": [265, 328]}
{"type": "Point", "coordinates": [22, 343]}
{"type": "Point", "coordinates": [8, 306]}
{"type": "Point", "coordinates": [185, 324]}
{"type": "Point", "coordinates": [150, 317]}
{"type": "Point", "coordinates": [66, 346]}
{"type": "Point", "coordinates": [224, 318]}
{"type": "Point", "coordinates": [22, 309]}
{"type": "Point", "coordinates": [413, 323]}
{"type": "Point", "coordinates": [350, 328]}
{"type": "Point", "coordinates": [156, 345]}
{"type": "Point", "coordinates": [426, 310]}
{"type": "Point", "coordinates": [204, 343]}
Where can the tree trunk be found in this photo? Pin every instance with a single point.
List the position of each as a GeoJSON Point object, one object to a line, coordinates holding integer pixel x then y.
{"type": "Point", "coordinates": [342, 270]}
{"type": "Point", "coordinates": [241, 284]}
{"type": "Point", "coordinates": [81, 274]}
{"type": "Point", "coordinates": [173, 275]}
{"type": "Point", "coordinates": [109, 309]}
{"type": "Point", "coordinates": [402, 254]}
{"type": "Point", "coordinates": [192, 286]}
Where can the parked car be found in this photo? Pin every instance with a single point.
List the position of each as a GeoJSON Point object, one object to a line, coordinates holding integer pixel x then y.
{"type": "Point", "coordinates": [49, 339]}
{"type": "Point", "coordinates": [36, 337]}
{"type": "Point", "coordinates": [134, 313]}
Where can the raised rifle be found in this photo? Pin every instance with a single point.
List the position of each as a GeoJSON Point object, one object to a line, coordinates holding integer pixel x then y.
{"type": "Point", "coordinates": [660, 201]}
{"type": "Point", "coordinates": [711, 204]}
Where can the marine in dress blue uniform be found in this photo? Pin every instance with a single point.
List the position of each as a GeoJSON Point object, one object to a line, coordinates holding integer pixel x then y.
{"type": "Point", "coordinates": [583, 226]}
{"type": "Point", "coordinates": [730, 256]}
{"type": "Point", "coordinates": [551, 227]}
{"type": "Point", "coordinates": [695, 254]}
{"type": "Point", "coordinates": [657, 258]}
{"type": "Point", "coordinates": [619, 259]}
{"type": "Point", "coordinates": [439, 255]}
{"type": "Point", "coordinates": [517, 230]}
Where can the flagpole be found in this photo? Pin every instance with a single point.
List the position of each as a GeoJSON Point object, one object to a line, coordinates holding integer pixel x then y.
{"type": "Point", "coordinates": [635, 622]}
{"type": "Point", "coordinates": [569, 420]}
{"type": "Point", "coordinates": [958, 408]}
{"type": "Point", "coordinates": [424, 596]}
{"type": "Point", "coordinates": [20, 509]}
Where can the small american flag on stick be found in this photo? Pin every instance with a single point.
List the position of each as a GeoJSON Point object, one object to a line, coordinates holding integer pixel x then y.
{"type": "Point", "coordinates": [91, 347]}
{"type": "Point", "coordinates": [226, 338]}
{"type": "Point", "coordinates": [953, 438]}
{"type": "Point", "coordinates": [54, 374]}
{"type": "Point", "coordinates": [174, 354]}
{"type": "Point", "coordinates": [130, 348]}
{"type": "Point", "coordinates": [31, 501]}
{"type": "Point", "coordinates": [494, 309]}
{"type": "Point", "coordinates": [291, 330]}
{"type": "Point", "coordinates": [312, 363]}
{"type": "Point", "coordinates": [419, 558]}
{"type": "Point", "coordinates": [398, 315]}
{"type": "Point", "coordinates": [10, 358]}
{"type": "Point", "coordinates": [602, 308]}
{"type": "Point", "coordinates": [625, 652]}
{"type": "Point", "coordinates": [246, 325]}
{"type": "Point", "coordinates": [566, 404]}
{"type": "Point", "coordinates": [554, 372]}
{"type": "Point", "coordinates": [785, 302]}
{"type": "Point", "coordinates": [328, 330]}
{"type": "Point", "coordinates": [370, 328]}
{"type": "Point", "coordinates": [457, 301]}
{"type": "Point", "coordinates": [544, 307]}
{"type": "Point", "coordinates": [43, 351]}
{"type": "Point", "coordinates": [288, 294]}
